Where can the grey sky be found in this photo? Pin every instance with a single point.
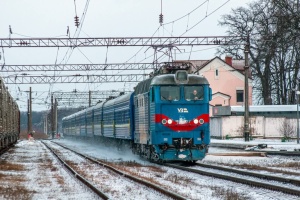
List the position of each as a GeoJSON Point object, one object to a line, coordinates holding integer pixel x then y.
{"type": "Point", "coordinates": [106, 18]}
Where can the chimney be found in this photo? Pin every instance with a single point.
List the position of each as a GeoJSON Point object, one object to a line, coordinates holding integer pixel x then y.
{"type": "Point", "coordinates": [228, 60]}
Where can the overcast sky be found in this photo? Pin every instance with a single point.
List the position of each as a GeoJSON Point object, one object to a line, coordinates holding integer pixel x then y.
{"type": "Point", "coordinates": [102, 18]}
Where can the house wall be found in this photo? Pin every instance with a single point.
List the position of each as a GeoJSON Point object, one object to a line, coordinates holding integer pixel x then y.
{"type": "Point", "coordinates": [266, 127]}
{"type": "Point", "coordinates": [227, 82]}
{"type": "Point", "coordinates": [220, 100]}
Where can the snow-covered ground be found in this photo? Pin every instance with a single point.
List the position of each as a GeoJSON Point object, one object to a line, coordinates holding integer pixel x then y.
{"type": "Point", "coordinates": [272, 144]}
{"type": "Point", "coordinates": [28, 171]}
{"type": "Point", "coordinates": [42, 177]}
{"type": "Point", "coordinates": [204, 182]}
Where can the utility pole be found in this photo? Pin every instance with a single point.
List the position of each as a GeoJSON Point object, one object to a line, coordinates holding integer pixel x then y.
{"type": "Point", "coordinates": [297, 101]}
{"type": "Point", "coordinates": [52, 117]}
{"type": "Point", "coordinates": [46, 124]}
{"type": "Point", "coordinates": [55, 116]}
{"type": "Point", "coordinates": [90, 98]}
{"type": "Point", "coordinates": [246, 115]}
{"type": "Point", "coordinates": [297, 92]}
{"type": "Point", "coordinates": [29, 114]}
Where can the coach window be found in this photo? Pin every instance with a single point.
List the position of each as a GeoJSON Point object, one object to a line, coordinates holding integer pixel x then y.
{"type": "Point", "coordinates": [169, 93]}
{"type": "Point", "coordinates": [193, 93]}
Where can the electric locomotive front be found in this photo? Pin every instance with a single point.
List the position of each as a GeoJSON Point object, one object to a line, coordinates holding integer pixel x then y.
{"type": "Point", "coordinates": [178, 123]}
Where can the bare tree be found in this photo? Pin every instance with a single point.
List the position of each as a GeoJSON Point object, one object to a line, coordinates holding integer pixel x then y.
{"type": "Point", "coordinates": [287, 129]}
{"type": "Point", "coordinates": [274, 47]}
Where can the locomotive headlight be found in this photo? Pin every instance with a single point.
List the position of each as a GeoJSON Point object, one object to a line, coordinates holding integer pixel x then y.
{"type": "Point", "coordinates": [164, 121]}
{"type": "Point", "coordinates": [201, 121]}
{"type": "Point", "coordinates": [169, 121]}
{"type": "Point", "coordinates": [196, 121]}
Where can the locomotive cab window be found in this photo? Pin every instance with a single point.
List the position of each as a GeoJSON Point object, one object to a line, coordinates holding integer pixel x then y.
{"type": "Point", "coordinates": [169, 93]}
{"type": "Point", "coordinates": [193, 93]}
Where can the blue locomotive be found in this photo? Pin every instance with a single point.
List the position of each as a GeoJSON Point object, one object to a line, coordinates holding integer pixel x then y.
{"type": "Point", "coordinates": [165, 118]}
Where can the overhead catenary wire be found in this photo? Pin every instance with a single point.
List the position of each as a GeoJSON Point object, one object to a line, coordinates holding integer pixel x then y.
{"type": "Point", "coordinates": [188, 29]}
{"type": "Point", "coordinates": [207, 15]}
{"type": "Point", "coordinates": [187, 13]}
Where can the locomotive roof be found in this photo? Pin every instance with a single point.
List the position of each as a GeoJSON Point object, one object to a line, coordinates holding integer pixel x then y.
{"type": "Point", "coordinates": [167, 79]}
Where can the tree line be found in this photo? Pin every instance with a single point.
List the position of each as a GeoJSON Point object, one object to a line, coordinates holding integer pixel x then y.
{"type": "Point", "coordinates": [274, 30]}
{"type": "Point", "coordinates": [38, 119]}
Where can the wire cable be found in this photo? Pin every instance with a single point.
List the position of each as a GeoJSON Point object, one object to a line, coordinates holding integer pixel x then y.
{"type": "Point", "coordinates": [205, 17]}
{"type": "Point", "coordinates": [187, 13]}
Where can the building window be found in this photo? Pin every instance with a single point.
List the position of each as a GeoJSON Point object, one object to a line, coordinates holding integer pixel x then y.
{"type": "Point", "coordinates": [240, 96]}
{"type": "Point", "coordinates": [217, 72]}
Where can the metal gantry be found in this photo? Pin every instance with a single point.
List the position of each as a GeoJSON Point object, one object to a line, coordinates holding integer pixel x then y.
{"type": "Point", "coordinates": [80, 67]}
{"type": "Point", "coordinates": [98, 76]}
{"type": "Point", "coordinates": [121, 41]}
{"type": "Point", "coordinates": [85, 99]}
{"type": "Point", "coordinates": [77, 78]}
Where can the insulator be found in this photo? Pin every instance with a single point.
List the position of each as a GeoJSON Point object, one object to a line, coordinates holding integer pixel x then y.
{"type": "Point", "coordinates": [161, 19]}
{"type": "Point", "coordinates": [76, 21]}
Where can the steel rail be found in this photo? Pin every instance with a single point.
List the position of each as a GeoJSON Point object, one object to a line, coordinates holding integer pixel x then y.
{"type": "Point", "coordinates": [238, 180]}
{"type": "Point", "coordinates": [258, 175]}
{"type": "Point", "coordinates": [134, 178]}
{"type": "Point", "coordinates": [78, 176]}
{"type": "Point", "coordinates": [283, 153]}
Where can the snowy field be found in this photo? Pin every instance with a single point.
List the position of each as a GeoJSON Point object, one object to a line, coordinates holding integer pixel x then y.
{"type": "Point", "coordinates": [36, 174]}
{"type": "Point", "coordinates": [277, 163]}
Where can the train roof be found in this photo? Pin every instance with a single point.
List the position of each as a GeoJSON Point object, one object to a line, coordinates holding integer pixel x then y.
{"type": "Point", "coordinates": [123, 97]}
{"type": "Point", "coordinates": [99, 105]}
{"type": "Point", "coordinates": [167, 79]}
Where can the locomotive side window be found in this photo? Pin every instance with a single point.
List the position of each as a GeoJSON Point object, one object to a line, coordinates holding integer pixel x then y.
{"type": "Point", "coordinates": [193, 93]}
{"type": "Point", "coordinates": [169, 93]}
{"type": "Point", "coordinates": [153, 96]}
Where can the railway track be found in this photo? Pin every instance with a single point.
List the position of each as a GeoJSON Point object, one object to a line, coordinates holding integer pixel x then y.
{"type": "Point", "coordinates": [6, 148]}
{"type": "Point", "coordinates": [78, 176]}
{"type": "Point", "coordinates": [145, 184]}
{"type": "Point", "coordinates": [291, 186]}
{"type": "Point", "coordinates": [253, 174]}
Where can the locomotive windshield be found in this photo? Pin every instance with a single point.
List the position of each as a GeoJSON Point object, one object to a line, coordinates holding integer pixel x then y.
{"type": "Point", "coordinates": [169, 93]}
{"type": "Point", "coordinates": [193, 93]}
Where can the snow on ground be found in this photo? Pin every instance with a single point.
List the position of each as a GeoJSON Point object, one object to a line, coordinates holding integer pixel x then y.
{"type": "Point", "coordinates": [271, 164]}
{"type": "Point", "coordinates": [97, 150]}
{"type": "Point", "coordinates": [43, 175]}
{"type": "Point", "coordinates": [204, 186]}
{"type": "Point", "coordinates": [38, 176]}
{"type": "Point", "coordinates": [114, 185]}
